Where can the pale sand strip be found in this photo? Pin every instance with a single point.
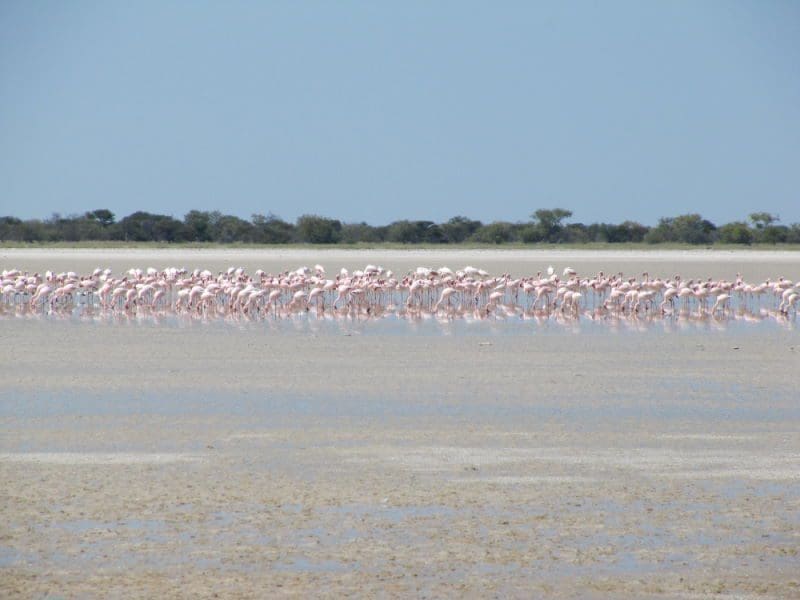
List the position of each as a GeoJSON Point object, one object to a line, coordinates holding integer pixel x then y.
{"type": "Point", "coordinates": [96, 458]}
{"type": "Point", "coordinates": [706, 437]}
{"type": "Point", "coordinates": [524, 480]}
{"type": "Point", "coordinates": [662, 462]}
{"type": "Point", "coordinates": [425, 256]}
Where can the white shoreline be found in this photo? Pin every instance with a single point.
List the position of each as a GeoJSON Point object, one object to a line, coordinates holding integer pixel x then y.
{"type": "Point", "coordinates": [346, 254]}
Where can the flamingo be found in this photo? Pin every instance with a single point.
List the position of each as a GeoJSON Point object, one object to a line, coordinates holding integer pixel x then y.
{"type": "Point", "coordinates": [721, 303]}
{"type": "Point", "coordinates": [424, 293]}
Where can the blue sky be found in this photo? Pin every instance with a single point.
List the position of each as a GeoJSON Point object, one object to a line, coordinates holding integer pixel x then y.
{"type": "Point", "coordinates": [377, 111]}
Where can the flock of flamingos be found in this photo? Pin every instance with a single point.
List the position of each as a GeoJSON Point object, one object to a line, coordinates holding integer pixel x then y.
{"type": "Point", "coordinates": [376, 292]}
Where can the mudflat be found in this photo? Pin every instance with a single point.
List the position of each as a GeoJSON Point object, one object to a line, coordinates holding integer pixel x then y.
{"type": "Point", "coordinates": [175, 460]}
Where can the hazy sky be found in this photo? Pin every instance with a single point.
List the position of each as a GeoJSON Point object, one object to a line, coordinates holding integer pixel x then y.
{"type": "Point", "coordinates": [377, 111]}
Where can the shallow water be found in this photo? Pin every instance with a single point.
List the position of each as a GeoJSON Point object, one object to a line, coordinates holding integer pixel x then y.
{"type": "Point", "coordinates": [731, 403]}
{"type": "Point", "coordinates": [426, 324]}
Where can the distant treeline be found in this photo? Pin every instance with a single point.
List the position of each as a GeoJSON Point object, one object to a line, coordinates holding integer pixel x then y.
{"type": "Point", "coordinates": [546, 226]}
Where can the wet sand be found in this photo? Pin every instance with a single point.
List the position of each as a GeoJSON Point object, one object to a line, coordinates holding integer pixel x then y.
{"type": "Point", "coordinates": [148, 461]}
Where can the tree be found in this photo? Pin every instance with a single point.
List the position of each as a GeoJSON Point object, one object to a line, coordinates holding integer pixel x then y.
{"type": "Point", "coordinates": [766, 229]}
{"type": "Point", "coordinates": [690, 229]}
{"type": "Point", "coordinates": [774, 234]}
{"type": "Point", "coordinates": [762, 220]}
{"type": "Point", "coordinates": [271, 229]}
{"type": "Point", "coordinates": [575, 233]}
{"type": "Point", "coordinates": [458, 229]}
{"type": "Point", "coordinates": [198, 225]}
{"type": "Point", "coordinates": [433, 234]}
{"type": "Point", "coordinates": [549, 222]}
{"type": "Point", "coordinates": [353, 233]}
{"type": "Point", "coordinates": [11, 229]}
{"type": "Point", "coordinates": [413, 232]}
{"type": "Point", "coordinates": [318, 230]}
{"type": "Point", "coordinates": [71, 228]}
{"type": "Point", "coordinates": [102, 215]}
{"type": "Point", "coordinates": [628, 231]}
{"type": "Point", "coordinates": [229, 228]}
{"type": "Point", "coordinates": [147, 227]}
{"type": "Point", "coordinates": [793, 235]}
{"type": "Point", "coordinates": [498, 232]}
{"type": "Point", "coordinates": [531, 233]}
{"type": "Point", "coordinates": [168, 229]}
{"type": "Point", "coordinates": [736, 232]}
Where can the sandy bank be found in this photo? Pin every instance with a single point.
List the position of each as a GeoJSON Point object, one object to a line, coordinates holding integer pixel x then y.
{"type": "Point", "coordinates": [752, 264]}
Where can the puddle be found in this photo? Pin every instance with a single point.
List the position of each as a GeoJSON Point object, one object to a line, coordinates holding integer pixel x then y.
{"type": "Point", "coordinates": [13, 557]}
{"type": "Point", "coordinates": [301, 564]}
{"type": "Point", "coordinates": [392, 514]}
